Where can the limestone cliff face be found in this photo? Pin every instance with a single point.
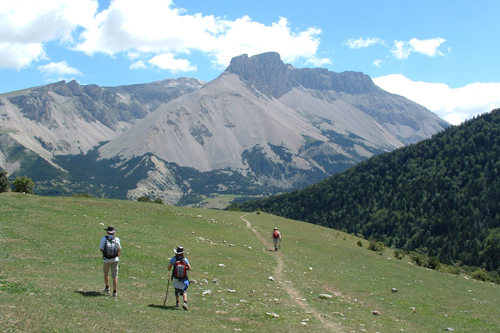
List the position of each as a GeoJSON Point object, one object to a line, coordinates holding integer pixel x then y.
{"type": "Point", "coordinates": [395, 113]}
{"type": "Point", "coordinates": [276, 78]}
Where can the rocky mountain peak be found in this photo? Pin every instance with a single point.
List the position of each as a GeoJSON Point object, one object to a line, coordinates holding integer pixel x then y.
{"type": "Point", "coordinates": [275, 78]}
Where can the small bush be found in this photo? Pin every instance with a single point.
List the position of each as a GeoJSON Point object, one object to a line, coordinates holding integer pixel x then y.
{"type": "Point", "coordinates": [23, 184]}
{"type": "Point", "coordinates": [433, 263]}
{"type": "Point", "coordinates": [158, 201]}
{"type": "Point", "coordinates": [420, 258]}
{"type": "Point", "coordinates": [83, 195]}
{"type": "Point", "coordinates": [4, 182]}
{"type": "Point", "coordinates": [481, 275]}
{"type": "Point", "coordinates": [144, 199]}
{"type": "Point", "coordinates": [376, 246]}
{"type": "Point", "coordinates": [399, 254]}
{"type": "Point", "coordinates": [360, 243]}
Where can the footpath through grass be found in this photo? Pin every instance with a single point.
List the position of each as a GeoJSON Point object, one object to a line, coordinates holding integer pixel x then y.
{"type": "Point", "coordinates": [51, 275]}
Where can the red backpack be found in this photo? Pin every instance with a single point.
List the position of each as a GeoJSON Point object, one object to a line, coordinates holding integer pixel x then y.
{"type": "Point", "coordinates": [276, 234]}
{"type": "Point", "coordinates": [180, 269]}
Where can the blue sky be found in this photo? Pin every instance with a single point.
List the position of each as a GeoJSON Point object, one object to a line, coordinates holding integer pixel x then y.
{"type": "Point", "coordinates": [441, 54]}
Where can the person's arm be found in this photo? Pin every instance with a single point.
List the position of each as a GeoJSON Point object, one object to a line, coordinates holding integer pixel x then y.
{"type": "Point", "coordinates": [119, 247]}
{"type": "Point", "coordinates": [188, 266]}
{"type": "Point", "coordinates": [101, 245]}
{"type": "Point", "coordinates": [170, 264]}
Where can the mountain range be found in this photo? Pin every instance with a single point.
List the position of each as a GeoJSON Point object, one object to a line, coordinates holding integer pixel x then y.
{"type": "Point", "coordinates": [261, 127]}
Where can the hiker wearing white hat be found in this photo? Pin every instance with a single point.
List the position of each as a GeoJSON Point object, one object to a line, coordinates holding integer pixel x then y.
{"type": "Point", "coordinates": [110, 248]}
{"type": "Point", "coordinates": [179, 277]}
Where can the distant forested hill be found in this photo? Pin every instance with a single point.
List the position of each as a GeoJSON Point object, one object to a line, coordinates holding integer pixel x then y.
{"type": "Point", "coordinates": [441, 195]}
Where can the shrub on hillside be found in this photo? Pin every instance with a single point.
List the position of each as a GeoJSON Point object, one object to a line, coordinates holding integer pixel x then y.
{"type": "Point", "coordinates": [376, 246]}
{"type": "Point", "coordinates": [144, 199]}
{"type": "Point", "coordinates": [433, 263]}
{"type": "Point", "coordinates": [83, 195]}
{"type": "Point", "coordinates": [360, 243]}
{"type": "Point", "coordinates": [422, 259]}
{"type": "Point", "coordinates": [23, 184]}
{"type": "Point", "coordinates": [4, 182]}
{"type": "Point", "coordinates": [158, 201]}
{"type": "Point", "coordinates": [399, 254]}
{"type": "Point", "coordinates": [481, 275]}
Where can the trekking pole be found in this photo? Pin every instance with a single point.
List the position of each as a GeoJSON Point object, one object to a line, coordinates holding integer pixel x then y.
{"type": "Point", "coordinates": [166, 295]}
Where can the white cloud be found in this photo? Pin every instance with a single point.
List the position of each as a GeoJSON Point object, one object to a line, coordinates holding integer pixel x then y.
{"type": "Point", "coordinates": [167, 61]}
{"type": "Point", "coordinates": [19, 55]}
{"type": "Point", "coordinates": [26, 25]}
{"type": "Point", "coordinates": [155, 27]}
{"type": "Point", "coordinates": [378, 63]}
{"type": "Point", "coordinates": [143, 30]}
{"type": "Point", "coordinates": [138, 65]}
{"type": "Point", "coordinates": [454, 105]}
{"type": "Point", "coordinates": [428, 47]}
{"type": "Point", "coordinates": [58, 68]}
{"type": "Point", "coordinates": [363, 42]}
{"type": "Point", "coordinates": [318, 62]}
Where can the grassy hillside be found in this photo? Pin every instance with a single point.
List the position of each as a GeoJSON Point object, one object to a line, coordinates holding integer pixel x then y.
{"type": "Point", "coordinates": [50, 274]}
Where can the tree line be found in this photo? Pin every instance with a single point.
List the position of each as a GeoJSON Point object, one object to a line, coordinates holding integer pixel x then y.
{"type": "Point", "coordinates": [440, 196]}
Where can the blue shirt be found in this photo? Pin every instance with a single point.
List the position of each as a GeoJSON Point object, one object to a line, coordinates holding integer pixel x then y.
{"type": "Point", "coordinates": [174, 259]}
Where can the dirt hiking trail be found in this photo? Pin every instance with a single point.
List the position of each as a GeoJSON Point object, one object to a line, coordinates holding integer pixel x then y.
{"type": "Point", "coordinates": [292, 292]}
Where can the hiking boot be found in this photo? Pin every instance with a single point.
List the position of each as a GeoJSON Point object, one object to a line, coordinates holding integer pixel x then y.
{"type": "Point", "coordinates": [105, 291]}
{"type": "Point", "coordinates": [185, 306]}
{"type": "Point", "coordinates": [177, 304]}
{"type": "Point", "coordinates": [114, 294]}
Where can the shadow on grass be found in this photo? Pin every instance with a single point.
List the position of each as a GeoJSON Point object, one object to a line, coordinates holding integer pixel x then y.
{"type": "Point", "coordinates": [89, 293]}
{"type": "Point", "coordinates": [170, 307]}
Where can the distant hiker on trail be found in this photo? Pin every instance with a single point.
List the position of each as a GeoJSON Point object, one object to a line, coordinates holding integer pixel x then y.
{"type": "Point", "coordinates": [110, 248]}
{"type": "Point", "coordinates": [276, 238]}
{"type": "Point", "coordinates": [179, 275]}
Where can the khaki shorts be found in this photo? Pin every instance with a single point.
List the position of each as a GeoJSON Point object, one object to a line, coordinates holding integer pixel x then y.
{"type": "Point", "coordinates": [114, 268]}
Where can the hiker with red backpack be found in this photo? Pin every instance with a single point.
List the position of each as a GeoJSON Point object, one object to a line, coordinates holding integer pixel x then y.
{"type": "Point", "coordinates": [110, 248]}
{"type": "Point", "coordinates": [179, 275]}
{"type": "Point", "coordinates": [276, 238]}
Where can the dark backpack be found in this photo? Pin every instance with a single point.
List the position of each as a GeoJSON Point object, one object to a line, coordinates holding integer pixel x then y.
{"type": "Point", "coordinates": [110, 248]}
{"type": "Point", "coordinates": [276, 234]}
{"type": "Point", "coordinates": [180, 269]}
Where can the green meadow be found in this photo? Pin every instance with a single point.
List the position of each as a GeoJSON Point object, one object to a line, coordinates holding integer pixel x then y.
{"type": "Point", "coordinates": [319, 281]}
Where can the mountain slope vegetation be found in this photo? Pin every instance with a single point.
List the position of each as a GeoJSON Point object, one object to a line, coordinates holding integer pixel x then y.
{"type": "Point", "coordinates": [440, 195]}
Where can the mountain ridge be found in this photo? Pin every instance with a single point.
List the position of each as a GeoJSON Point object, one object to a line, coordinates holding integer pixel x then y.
{"type": "Point", "coordinates": [276, 126]}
